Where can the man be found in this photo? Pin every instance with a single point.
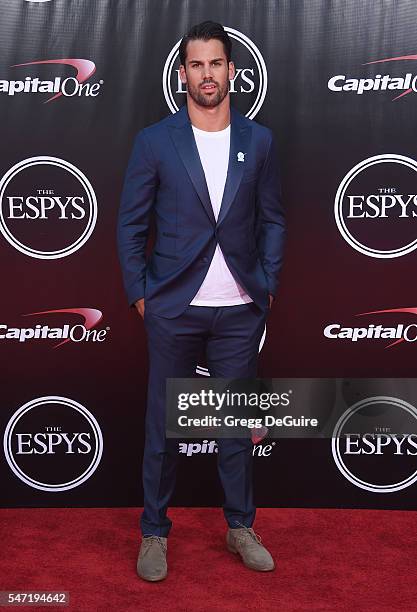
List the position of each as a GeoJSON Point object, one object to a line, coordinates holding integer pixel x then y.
{"type": "Point", "coordinates": [210, 177]}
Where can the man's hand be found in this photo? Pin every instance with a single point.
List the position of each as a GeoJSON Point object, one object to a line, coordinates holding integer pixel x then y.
{"type": "Point", "coordinates": [271, 299]}
{"type": "Point", "coordinates": [140, 306]}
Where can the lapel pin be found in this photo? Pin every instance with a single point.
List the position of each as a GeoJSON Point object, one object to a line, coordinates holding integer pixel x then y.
{"type": "Point", "coordinates": [241, 156]}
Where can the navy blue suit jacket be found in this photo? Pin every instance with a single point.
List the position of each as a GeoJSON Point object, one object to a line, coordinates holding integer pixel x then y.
{"type": "Point", "coordinates": [165, 177]}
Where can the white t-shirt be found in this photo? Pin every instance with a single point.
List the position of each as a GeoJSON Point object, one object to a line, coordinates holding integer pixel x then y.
{"type": "Point", "coordinates": [219, 287]}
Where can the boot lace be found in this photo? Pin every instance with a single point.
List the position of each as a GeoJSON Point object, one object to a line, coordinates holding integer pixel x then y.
{"type": "Point", "coordinates": [149, 540]}
{"type": "Point", "coordinates": [248, 535]}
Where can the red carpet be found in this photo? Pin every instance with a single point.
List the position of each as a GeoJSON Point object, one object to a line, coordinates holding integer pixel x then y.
{"type": "Point", "coordinates": [350, 560]}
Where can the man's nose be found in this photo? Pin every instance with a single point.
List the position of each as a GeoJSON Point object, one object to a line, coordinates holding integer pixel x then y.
{"type": "Point", "coordinates": [207, 73]}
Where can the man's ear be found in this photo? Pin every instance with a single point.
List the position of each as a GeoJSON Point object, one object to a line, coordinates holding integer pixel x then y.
{"type": "Point", "coordinates": [232, 71]}
{"type": "Point", "coordinates": [183, 75]}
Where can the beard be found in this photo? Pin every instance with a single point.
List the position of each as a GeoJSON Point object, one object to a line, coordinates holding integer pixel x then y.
{"type": "Point", "coordinates": [205, 100]}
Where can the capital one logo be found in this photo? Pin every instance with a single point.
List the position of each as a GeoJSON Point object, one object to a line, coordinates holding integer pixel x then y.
{"type": "Point", "coordinates": [389, 335]}
{"type": "Point", "coordinates": [59, 333]}
{"type": "Point", "coordinates": [374, 444]}
{"type": "Point", "coordinates": [248, 87]}
{"type": "Point", "coordinates": [209, 447]}
{"type": "Point", "coordinates": [406, 83]}
{"type": "Point", "coordinates": [53, 443]}
{"type": "Point", "coordinates": [70, 86]}
{"type": "Point", "coordinates": [375, 206]}
{"type": "Point", "coordinates": [48, 208]}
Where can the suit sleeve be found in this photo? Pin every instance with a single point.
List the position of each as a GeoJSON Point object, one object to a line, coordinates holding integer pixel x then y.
{"type": "Point", "coordinates": [271, 229]}
{"type": "Point", "coordinates": [138, 195]}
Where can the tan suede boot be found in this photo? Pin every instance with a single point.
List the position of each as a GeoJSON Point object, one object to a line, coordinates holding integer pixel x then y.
{"type": "Point", "coordinates": [247, 544]}
{"type": "Point", "coordinates": [152, 564]}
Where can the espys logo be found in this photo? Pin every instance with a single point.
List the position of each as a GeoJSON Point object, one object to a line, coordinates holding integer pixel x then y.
{"type": "Point", "coordinates": [405, 83]}
{"type": "Point", "coordinates": [250, 82]}
{"type": "Point", "coordinates": [48, 208]}
{"type": "Point", "coordinates": [394, 334]}
{"type": "Point", "coordinates": [209, 447]}
{"type": "Point", "coordinates": [369, 450]}
{"type": "Point", "coordinates": [79, 332]}
{"type": "Point", "coordinates": [376, 205]}
{"type": "Point", "coordinates": [53, 443]}
{"type": "Point", "coordinates": [69, 87]}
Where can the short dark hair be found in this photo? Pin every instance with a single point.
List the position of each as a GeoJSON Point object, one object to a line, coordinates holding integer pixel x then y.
{"type": "Point", "coordinates": [206, 31]}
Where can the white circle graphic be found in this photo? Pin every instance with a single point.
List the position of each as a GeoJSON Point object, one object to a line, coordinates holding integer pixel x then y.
{"type": "Point", "coordinates": [338, 212]}
{"type": "Point", "coordinates": [64, 401]}
{"type": "Point", "coordinates": [370, 401]}
{"type": "Point", "coordinates": [246, 42]}
{"type": "Point", "coordinates": [61, 163]}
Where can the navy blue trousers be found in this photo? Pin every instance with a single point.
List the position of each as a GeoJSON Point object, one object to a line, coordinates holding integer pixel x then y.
{"type": "Point", "coordinates": [230, 337]}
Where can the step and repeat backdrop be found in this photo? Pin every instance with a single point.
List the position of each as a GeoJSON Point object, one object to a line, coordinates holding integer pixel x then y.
{"type": "Point", "coordinates": [336, 80]}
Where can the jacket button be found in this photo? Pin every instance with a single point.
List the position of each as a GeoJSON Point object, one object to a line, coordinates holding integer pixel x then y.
{"type": "Point", "coordinates": [204, 259]}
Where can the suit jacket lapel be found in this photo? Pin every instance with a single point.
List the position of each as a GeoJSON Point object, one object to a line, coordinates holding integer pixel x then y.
{"type": "Point", "coordinates": [184, 141]}
{"type": "Point", "coordinates": [185, 144]}
{"type": "Point", "coordinates": [239, 144]}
